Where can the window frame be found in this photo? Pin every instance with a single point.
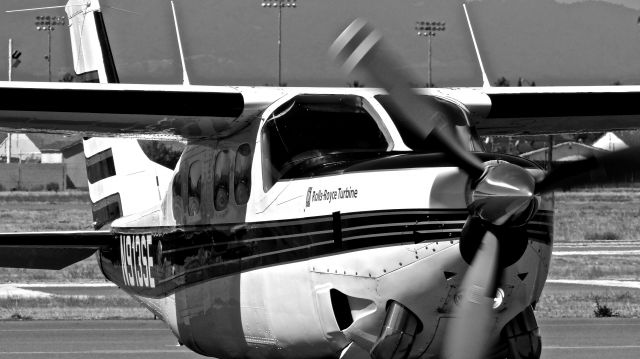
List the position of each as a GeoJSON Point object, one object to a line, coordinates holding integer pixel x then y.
{"type": "Point", "coordinates": [226, 153]}
{"type": "Point", "coordinates": [242, 172]}
{"type": "Point", "coordinates": [197, 192]}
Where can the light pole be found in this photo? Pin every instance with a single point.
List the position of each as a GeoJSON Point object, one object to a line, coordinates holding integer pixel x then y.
{"type": "Point", "coordinates": [429, 29]}
{"type": "Point", "coordinates": [48, 23]}
{"type": "Point", "coordinates": [279, 4]}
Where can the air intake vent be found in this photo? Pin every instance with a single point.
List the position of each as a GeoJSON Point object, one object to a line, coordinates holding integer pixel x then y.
{"type": "Point", "coordinates": [341, 309]}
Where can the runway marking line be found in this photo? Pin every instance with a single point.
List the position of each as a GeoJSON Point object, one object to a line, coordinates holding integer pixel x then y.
{"type": "Point", "coordinates": [140, 351]}
{"type": "Point", "coordinates": [87, 330]}
{"type": "Point", "coordinates": [597, 253]}
{"type": "Point", "coordinates": [603, 324]}
{"type": "Point", "coordinates": [593, 347]}
{"type": "Point", "coordinates": [632, 284]}
{"type": "Point", "coordinates": [64, 285]}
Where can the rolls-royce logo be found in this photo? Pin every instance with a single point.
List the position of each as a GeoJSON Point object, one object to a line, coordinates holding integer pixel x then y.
{"type": "Point", "coordinates": [331, 195]}
{"type": "Point", "coordinates": [309, 196]}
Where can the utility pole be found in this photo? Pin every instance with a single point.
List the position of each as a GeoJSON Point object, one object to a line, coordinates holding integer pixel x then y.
{"type": "Point", "coordinates": [10, 58]}
{"type": "Point", "coordinates": [279, 4]}
{"type": "Point", "coordinates": [550, 152]}
{"type": "Point", "coordinates": [429, 30]}
{"type": "Point", "coordinates": [10, 61]}
{"type": "Point", "coordinates": [48, 23]}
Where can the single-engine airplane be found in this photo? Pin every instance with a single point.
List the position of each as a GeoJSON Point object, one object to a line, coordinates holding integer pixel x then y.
{"type": "Point", "coordinates": [318, 222]}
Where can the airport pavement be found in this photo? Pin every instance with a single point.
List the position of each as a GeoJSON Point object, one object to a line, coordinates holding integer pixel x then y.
{"type": "Point", "coordinates": [591, 338]}
{"type": "Point", "coordinates": [118, 339]}
{"type": "Point", "coordinates": [105, 339]}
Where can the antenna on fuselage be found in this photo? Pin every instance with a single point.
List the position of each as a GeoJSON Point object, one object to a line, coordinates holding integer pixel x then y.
{"type": "Point", "coordinates": [185, 75]}
{"type": "Point", "coordinates": [485, 80]}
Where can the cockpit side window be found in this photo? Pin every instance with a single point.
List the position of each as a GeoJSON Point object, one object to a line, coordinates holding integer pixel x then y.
{"type": "Point", "coordinates": [241, 174]}
{"type": "Point", "coordinates": [221, 180]}
{"type": "Point", "coordinates": [195, 188]}
{"type": "Point", "coordinates": [310, 126]}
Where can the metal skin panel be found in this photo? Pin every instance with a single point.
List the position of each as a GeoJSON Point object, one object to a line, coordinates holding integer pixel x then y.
{"type": "Point", "coordinates": [249, 314]}
{"type": "Point", "coordinates": [356, 192]}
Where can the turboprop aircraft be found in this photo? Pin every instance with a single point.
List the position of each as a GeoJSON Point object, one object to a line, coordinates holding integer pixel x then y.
{"type": "Point", "coordinates": [318, 222]}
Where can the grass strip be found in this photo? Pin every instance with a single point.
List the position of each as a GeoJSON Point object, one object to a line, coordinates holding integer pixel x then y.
{"type": "Point", "coordinates": [45, 196]}
{"type": "Point", "coordinates": [72, 307]}
{"type": "Point", "coordinates": [581, 303]}
{"type": "Point", "coordinates": [621, 267]}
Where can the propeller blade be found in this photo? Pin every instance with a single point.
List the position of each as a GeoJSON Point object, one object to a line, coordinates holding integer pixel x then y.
{"type": "Point", "coordinates": [360, 47]}
{"type": "Point", "coordinates": [469, 333]}
{"type": "Point", "coordinates": [592, 170]}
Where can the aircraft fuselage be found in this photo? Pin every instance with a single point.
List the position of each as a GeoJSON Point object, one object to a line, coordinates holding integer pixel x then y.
{"type": "Point", "coordinates": [308, 260]}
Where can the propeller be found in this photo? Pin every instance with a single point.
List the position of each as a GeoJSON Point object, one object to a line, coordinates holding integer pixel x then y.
{"type": "Point", "coordinates": [359, 47]}
{"type": "Point", "coordinates": [592, 170]}
{"type": "Point", "coordinates": [468, 336]}
{"type": "Point", "coordinates": [502, 196]}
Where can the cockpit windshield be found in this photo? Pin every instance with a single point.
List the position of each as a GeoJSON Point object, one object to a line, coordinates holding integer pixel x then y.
{"type": "Point", "coordinates": [456, 118]}
{"type": "Point", "coordinates": [311, 126]}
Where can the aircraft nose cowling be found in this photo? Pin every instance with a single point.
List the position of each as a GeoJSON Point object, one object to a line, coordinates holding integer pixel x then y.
{"type": "Point", "coordinates": [504, 195]}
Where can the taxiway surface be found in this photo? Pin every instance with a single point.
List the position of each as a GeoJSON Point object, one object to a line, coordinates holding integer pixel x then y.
{"type": "Point", "coordinates": [118, 339]}
{"type": "Point", "coordinates": [105, 339]}
{"type": "Point", "coordinates": [590, 338]}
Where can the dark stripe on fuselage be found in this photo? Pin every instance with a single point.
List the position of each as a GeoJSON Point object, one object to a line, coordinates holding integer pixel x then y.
{"type": "Point", "coordinates": [189, 255]}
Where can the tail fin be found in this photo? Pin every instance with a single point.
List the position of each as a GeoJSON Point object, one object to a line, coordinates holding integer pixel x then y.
{"type": "Point", "coordinates": [122, 179]}
{"type": "Point", "coordinates": [89, 40]}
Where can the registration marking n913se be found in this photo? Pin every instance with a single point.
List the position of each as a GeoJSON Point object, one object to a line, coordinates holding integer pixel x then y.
{"type": "Point", "coordinates": [136, 260]}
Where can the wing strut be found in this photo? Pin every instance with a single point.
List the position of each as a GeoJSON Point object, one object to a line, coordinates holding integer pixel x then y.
{"type": "Point", "coordinates": [185, 75]}
{"type": "Point", "coordinates": [485, 80]}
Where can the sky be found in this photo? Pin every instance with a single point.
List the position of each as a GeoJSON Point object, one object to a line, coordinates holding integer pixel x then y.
{"type": "Point", "coordinates": [234, 42]}
{"type": "Point", "coordinates": [631, 4]}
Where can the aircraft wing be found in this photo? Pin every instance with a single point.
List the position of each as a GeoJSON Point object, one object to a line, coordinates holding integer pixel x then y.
{"type": "Point", "coordinates": [123, 109]}
{"type": "Point", "coordinates": [50, 250]}
{"type": "Point", "coordinates": [552, 110]}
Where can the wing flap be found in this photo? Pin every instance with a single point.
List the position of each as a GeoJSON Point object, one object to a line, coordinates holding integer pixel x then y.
{"type": "Point", "coordinates": [50, 250]}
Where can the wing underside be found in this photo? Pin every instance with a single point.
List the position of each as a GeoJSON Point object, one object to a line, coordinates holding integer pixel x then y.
{"type": "Point", "coordinates": [217, 111]}
{"type": "Point", "coordinates": [50, 250]}
{"type": "Point", "coordinates": [555, 110]}
{"type": "Point", "coordinates": [134, 110]}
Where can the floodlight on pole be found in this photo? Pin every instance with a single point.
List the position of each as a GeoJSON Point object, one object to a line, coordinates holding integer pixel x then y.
{"type": "Point", "coordinates": [429, 29]}
{"type": "Point", "coordinates": [48, 23]}
{"type": "Point", "coordinates": [279, 4]}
